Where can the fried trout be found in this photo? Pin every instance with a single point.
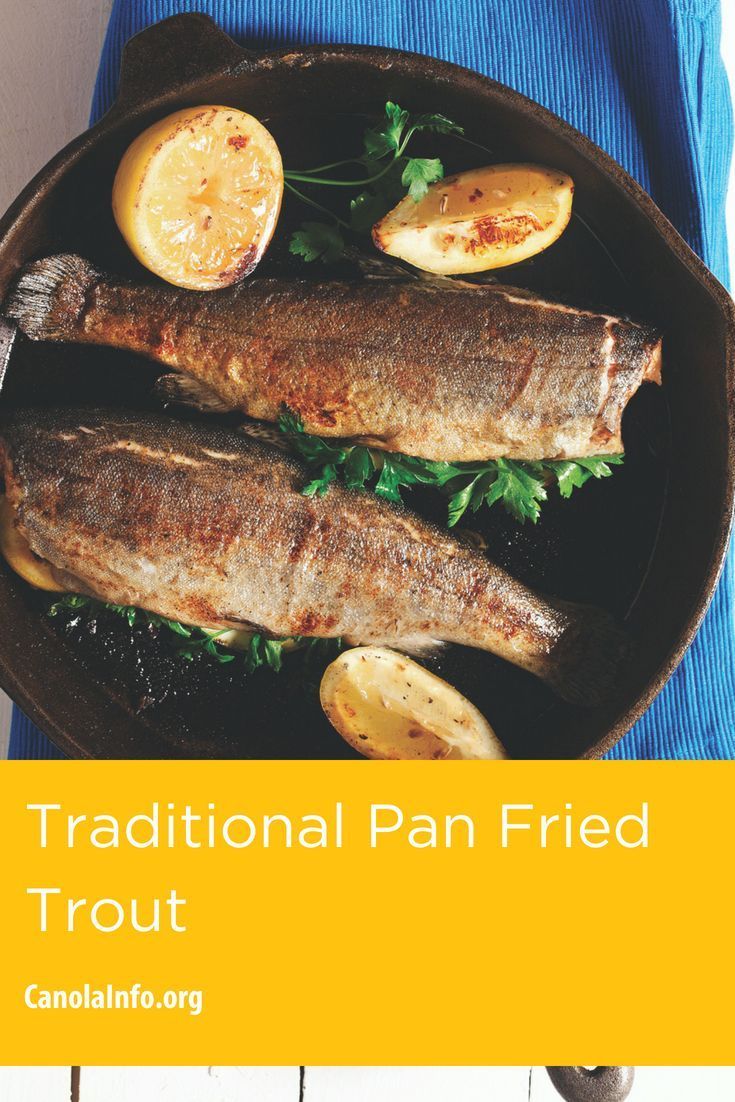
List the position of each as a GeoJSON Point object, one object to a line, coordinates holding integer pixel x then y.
{"type": "Point", "coordinates": [208, 527]}
{"type": "Point", "coordinates": [459, 373]}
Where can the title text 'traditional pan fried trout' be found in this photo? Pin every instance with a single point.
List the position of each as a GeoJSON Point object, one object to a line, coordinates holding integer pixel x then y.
{"type": "Point", "coordinates": [465, 373]}
{"type": "Point", "coordinates": [208, 527]}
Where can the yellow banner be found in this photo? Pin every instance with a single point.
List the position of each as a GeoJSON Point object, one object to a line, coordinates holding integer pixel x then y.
{"type": "Point", "coordinates": [381, 913]}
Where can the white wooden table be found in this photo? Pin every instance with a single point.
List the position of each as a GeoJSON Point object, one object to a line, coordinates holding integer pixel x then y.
{"type": "Point", "coordinates": [337, 1084]}
{"type": "Point", "coordinates": [48, 61]}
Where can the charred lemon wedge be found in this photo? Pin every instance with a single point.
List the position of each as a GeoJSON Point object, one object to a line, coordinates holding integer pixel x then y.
{"type": "Point", "coordinates": [388, 706]}
{"type": "Point", "coordinates": [482, 219]}
{"type": "Point", "coordinates": [17, 552]}
{"type": "Point", "coordinates": [197, 196]}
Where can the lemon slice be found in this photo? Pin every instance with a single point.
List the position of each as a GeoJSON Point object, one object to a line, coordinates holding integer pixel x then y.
{"type": "Point", "coordinates": [17, 552]}
{"type": "Point", "coordinates": [197, 196]}
{"type": "Point", "coordinates": [481, 219]}
{"type": "Point", "coordinates": [388, 706]}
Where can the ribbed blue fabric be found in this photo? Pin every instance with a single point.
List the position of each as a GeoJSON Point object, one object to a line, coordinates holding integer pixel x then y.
{"type": "Point", "coordinates": [26, 741]}
{"type": "Point", "coordinates": [644, 79]}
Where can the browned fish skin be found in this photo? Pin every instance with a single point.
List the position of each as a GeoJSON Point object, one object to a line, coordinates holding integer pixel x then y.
{"type": "Point", "coordinates": [460, 374]}
{"type": "Point", "coordinates": [209, 527]}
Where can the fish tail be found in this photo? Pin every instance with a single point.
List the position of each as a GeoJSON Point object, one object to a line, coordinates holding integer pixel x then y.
{"type": "Point", "coordinates": [48, 297]}
{"type": "Point", "coordinates": [586, 664]}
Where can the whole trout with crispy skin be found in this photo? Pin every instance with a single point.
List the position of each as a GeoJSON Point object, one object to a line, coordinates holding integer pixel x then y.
{"type": "Point", "coordinates": [459, 373]}
{"type": "Point", "coordinates": [208, 527]}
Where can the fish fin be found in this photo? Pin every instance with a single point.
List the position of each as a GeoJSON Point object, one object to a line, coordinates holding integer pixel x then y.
{"type": "Point", "coordinates": [379, 267]}
{"type": "Point", "coordinates": [470, 538]}
{"type": "Point", "coordinates": [49, 296]}
{"type": "Point", "coordinates": [421, 646]}
{"type": "Point", "coordinates": [589, 657]}
{"type": "Point", "coordinates": [182, 390]}
{"type": "Point", "coordinates": [431, 281]}
{"type": "Point", "coordinates": [385, 269]}
{"type": "Point", "coordinates": [264, 431]}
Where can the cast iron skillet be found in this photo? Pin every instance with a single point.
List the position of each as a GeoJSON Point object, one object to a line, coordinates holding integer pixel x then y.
{"type": "Point", "coordinates": [647, 543]}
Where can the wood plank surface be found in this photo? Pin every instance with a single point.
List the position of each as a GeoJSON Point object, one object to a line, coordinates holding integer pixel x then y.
{"type": "Point", "coordinates": [423, 1084]}
{"type": "Point", "coordinates": [189, 1084]}
{"type": "Point", "coordinates": [337, 1084]}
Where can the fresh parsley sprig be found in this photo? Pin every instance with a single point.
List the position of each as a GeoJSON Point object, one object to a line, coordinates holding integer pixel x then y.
{"type": "Point", "coordinates": [196, 639]}
{"type": "Point", "coordinates": [318, 241]}
{"type": "Point", "coordinates": [520, 485]}
{"type": "Point", "coordinates": [261, 651]}
{"type": "Point", "coordinates": [388, 173]}
{"type": "Point", "coordinates": [128, 612]}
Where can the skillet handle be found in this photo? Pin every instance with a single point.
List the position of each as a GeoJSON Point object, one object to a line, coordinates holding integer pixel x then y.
{"type": "Point", "coordinates": [592, 1085]}
{"type": "Point", "coordinates": [170, 54]}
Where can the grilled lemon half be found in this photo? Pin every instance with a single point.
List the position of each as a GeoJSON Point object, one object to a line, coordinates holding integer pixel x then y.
{"type": "Point", "coordinates": [197, 196]}
{"type": "Point", "coordinates": [388, 706]}
{"type": "Point", "coordinates": [482, 219]}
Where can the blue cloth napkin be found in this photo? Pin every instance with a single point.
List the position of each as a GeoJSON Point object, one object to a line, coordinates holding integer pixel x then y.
{"type": "Point", "coordinates": [644, 79]}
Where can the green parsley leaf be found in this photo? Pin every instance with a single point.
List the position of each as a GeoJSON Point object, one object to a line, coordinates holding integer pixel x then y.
{"type": "Point", "coordinates": [390, 480]}
{"type": "Point", "coordinates": [440, 124]}
{"type": "Point", "coordinates": [460, 501]}
{"type": "Point", "coordinates": [318, 241]}
{"type": "Point", "coordinates": [176, 628]}
{"type": "Point", "coordinates": [319, 486]}
{"type": "Point", "coordinates": [521, 486]}
{"type": "Point", "coordinates": [387, 173]}
{"type": "Point", "coordinates": [290, 423]}
{"type": "Point", "coordinates": [419, 173]}
{"type": "Point", "coordinates": [260, 651]}
{"type": "Point", "coordinates": [359, 467]}
{"type": "Point", "coordinates": [378, 142]}
{"type": "Point", "coordinates": [313, 448]}
{"type": "Point", "coordinates": [273, 653]}
{"type": "Point", "coordinates": [69, 600]}
{"type": "Point", "coordinates": [571, 474]}
{"type": "Point", "coordinates": [401, 470]}
{"type": "Point", "coordinates": [522, 492]}
{"type": "Point", "coordinates": [253, 656]}
{"type": "Point", "coordinates": [210, 646]}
